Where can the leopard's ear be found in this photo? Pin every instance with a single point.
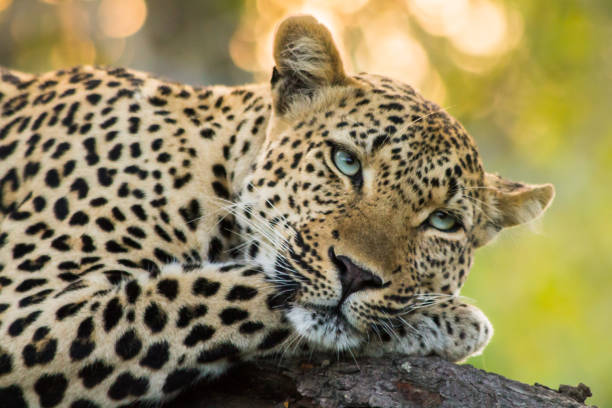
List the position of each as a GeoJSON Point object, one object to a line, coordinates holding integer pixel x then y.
{"type": "Point", "coordinates": [306, 60]}
{"type": "Point", "coordinates": [509, 203]}
{"type": "Point", "coordinates": [517, 203]}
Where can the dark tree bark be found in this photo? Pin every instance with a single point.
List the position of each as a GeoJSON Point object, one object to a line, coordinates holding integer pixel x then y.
{"type": "Point", "coordinates": [386, 382]}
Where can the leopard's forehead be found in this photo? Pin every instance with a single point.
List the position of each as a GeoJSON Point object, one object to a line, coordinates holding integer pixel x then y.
{"type": "Point", "coordinates": [378, 111]}
{"type": "Point", "coordinates": [411, 145]}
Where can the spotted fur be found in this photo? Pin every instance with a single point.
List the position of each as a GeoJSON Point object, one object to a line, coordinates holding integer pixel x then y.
{"type": "Point", "coordinates": [152, 233]}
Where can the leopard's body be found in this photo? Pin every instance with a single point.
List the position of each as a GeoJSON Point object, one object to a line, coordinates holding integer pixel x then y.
{"type": "Point", "coordinates": [152, 233]}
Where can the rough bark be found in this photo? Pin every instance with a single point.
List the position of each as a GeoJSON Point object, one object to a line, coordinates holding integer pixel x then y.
{"type": "Point", "coordinates": [382, 382]}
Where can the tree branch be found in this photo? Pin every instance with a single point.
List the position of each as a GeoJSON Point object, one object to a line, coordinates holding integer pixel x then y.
{"type": "Point", "coordinates": [375, 382]}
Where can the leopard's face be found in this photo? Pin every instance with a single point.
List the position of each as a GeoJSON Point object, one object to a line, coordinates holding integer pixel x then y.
{"type": "Point", "coordinates": [364, 208]}
{"type": "Point", "coordinates": [366, 201]}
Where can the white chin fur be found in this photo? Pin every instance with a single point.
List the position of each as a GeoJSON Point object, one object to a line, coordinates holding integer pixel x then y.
{"type": "Point", "coordinates": [326, 332]}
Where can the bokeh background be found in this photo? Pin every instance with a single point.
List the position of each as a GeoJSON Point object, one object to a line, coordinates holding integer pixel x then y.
{"type": "Point", "coordinates": [531, 81]}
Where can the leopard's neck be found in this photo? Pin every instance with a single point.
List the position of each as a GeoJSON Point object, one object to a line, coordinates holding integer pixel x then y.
{"type": "Point", "coordinates": [228, 132]}
{"type": "Point", "coordinates": [232, 130]}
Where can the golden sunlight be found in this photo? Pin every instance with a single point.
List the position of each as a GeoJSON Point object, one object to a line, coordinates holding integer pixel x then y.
{"type": "Point", "coordinates": [376, 36]}
{"type": "Point", "coordinates": [4, 4]}
{"type": "Point", "coordinates": [488, 35]}
{"type": "Point", "coordinates": [121, 18]}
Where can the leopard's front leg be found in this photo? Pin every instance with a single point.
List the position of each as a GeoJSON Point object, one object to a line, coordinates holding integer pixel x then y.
{"type": "Point", "coordinates": [97, 344]}
{"type": "Point", "coordinates": [453, 330]}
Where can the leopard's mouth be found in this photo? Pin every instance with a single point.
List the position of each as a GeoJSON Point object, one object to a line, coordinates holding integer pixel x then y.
{"type": "Point", "coordinates": [325, 327]}
{"type": "Point", "coordinates": [330, 313]}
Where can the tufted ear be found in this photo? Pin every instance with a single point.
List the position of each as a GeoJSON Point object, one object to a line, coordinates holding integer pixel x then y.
{"type": "Point", "coordinates": [510, 203]}
{"type": "Point", "coordinates": [306, 60]}
{"type": "Point", "coordinates": [517, 203]}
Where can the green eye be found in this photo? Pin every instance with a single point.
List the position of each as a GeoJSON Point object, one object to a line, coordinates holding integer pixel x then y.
{"type": "Point", "coordinates": [346, 162]}
{"type": "Point", "coordinates": [443, 221]}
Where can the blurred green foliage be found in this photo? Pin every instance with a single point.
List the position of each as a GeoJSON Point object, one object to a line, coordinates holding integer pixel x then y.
{"type": "Point", "coordinates": [542, 113]}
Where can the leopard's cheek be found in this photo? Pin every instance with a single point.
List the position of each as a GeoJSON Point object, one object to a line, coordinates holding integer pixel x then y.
{"type": "Point", "coordinates": [444, 263]}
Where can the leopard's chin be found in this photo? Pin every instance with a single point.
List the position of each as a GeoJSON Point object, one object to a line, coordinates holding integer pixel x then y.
{"type": "Point", "coordinates": [325, 329]}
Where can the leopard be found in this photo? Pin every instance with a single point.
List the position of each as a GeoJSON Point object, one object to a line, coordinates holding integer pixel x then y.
{"type": "Point", "coordinates": [154, 233]}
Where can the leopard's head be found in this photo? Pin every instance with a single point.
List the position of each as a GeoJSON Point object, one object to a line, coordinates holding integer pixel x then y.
{"type": "Point", "coordinates": [367, 201]}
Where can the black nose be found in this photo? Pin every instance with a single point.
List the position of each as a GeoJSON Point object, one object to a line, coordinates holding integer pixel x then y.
{"type": "Point", "coordinates": [353, 278]}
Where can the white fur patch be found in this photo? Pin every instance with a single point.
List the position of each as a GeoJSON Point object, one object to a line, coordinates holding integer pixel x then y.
{"type": "Point", "coordinates": [330, 333]}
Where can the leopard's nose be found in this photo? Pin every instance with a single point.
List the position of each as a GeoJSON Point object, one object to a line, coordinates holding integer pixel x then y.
{"type": "Point", "coordinates": [353, 278]}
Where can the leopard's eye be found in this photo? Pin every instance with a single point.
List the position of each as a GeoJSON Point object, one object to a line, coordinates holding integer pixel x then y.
{"type": "Point", "coordinates": [346, 162]}
{"type": "Point", "coordinates": [443, 221]}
